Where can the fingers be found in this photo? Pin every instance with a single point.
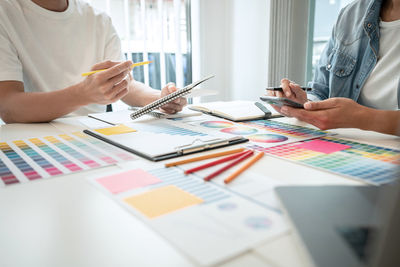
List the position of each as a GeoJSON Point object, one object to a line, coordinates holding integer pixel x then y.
{"type": "Point", "coordinates": [320, 119]}
{"type": "Point", "coordinates": [115, 70]}
{"type": "Point", "coordinates": [120, 95]}
{"type": "Point", "coordinates": [320, 105]}
{"type": "Point", "coordinates": [277, 108]}
{"type": "Point", "coordinates": [117, 90]}
{"type": "Point", "coordinates": [119, 78]}
{"type": "Point", "coordinates": [169, 89]}
{"type": "Point", "coordinates": [105, 65]}
{"type": "Point", "coordinates": [287, 91]}
{"type": "Point", "coordinates": [298, 92]}
{"type": "Point", "coordinates": [271, 93]}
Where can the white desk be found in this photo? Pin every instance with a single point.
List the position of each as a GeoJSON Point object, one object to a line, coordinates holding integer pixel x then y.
{"type": "Point", "coordinates": [65, 221]}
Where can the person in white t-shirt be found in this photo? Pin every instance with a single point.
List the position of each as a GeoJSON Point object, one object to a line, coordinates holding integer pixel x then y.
{"type": "Point", "coordinates": [45, 46]}
{"type": "Point", "coordinates": [357, 80]}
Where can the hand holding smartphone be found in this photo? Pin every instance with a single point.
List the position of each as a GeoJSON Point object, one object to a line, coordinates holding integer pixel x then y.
{"type": "Point", "coordinates": [280, 101]}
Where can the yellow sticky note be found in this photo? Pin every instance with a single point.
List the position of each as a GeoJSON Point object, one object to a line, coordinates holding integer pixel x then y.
{"type": "Point", "coordinates": [119, 129]}
{"type": "Point", "coordinates": [162, 200]}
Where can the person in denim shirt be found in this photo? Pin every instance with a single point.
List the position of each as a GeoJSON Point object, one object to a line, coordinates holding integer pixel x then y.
{"type": "Point", "coordinates": [357, 80]}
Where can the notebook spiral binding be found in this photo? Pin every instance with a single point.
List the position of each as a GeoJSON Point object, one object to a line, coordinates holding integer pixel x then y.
{"type": "Point", "coordinates": [148, 108]}
{"type": "Point", "coordinates": [166, 99]}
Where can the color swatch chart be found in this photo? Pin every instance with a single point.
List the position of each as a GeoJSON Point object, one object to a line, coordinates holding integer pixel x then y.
{"type": "Point", "coordinates": [265, 133]}
{"type": "Point", "coordinates": [201, 219]}
{"type": "Point", "coordinates": [285, 128]}
{"type": "Point", "coordinates": [368, 163]}
{"type": "Point", "coordinates": [166, 128]}
{"type": "Point", "coordinates": [37, 158]}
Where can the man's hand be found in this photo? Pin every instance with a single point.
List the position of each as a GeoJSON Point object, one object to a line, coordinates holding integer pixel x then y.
{"type": "Point", "coordinates": [292, 91]}
{"type": "Point", "coordinates": [107, 86]}
{"type": "Point", "coordinates": [331, 113]}
{"type": "Point", "coordinates": [174, 106]}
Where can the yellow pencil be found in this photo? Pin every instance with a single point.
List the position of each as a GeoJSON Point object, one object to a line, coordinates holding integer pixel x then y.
{"type": "Point", "coordinates": [243, 168]}
{"type": "Point", "coordinates": [132, 66]}
{"type": "Point", "coordinates": [209, 156]}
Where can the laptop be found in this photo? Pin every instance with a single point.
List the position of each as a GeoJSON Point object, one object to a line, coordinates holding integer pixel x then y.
{"type": "Point", "coordinates": [353, 226]}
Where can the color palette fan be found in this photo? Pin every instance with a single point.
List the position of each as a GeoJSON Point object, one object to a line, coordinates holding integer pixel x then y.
{"type": "Point", "coordinates": [368, 163]}
{"type": "Point", "coordinates": [37, 158]}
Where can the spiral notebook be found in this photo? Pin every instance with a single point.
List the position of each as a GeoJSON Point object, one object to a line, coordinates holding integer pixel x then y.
{"type": "Point", "coordinates": [166, 99]}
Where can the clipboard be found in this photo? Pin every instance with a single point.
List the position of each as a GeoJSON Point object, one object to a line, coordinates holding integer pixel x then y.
{"type": "Point", "coordinates": [157, 140]}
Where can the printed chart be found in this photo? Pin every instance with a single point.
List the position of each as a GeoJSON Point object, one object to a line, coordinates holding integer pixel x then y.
{"type": "Point", "coordinates": [368, 163]}
{"type": "Point", "coordinates": [200, 219]}
{"type": "Point", "coordinates": [38, 158]}
{"type": "Point", "coordinates": [286, 129]}
{"type": "Point", "coordinates": [264, 133]}
{"type": "Point", "coordinates": [166, 128]}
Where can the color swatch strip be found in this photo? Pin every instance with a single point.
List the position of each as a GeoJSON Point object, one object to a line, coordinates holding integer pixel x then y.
{"type": "Point", "coordinates": [90, 150]}
{"type": "Point", "coordinates": [371, 164]}
{"type": "Point", "coordinates": [105, 147]}
{"type": "Point", "coordinates": [167, 129]}
{"type": "Point", "coordinates": [19, 162]}
{"type": "Point", "coordinates": [285, 128]}
{"type": "Point", "coordinates": [197, 187]}
{"type": "Point", "coordinates": [72, 152]}
{"type": "Point", "coordinates": [37, 158]}
{"type": "Point", "coordinates": [55, 155]}
{"type": "Point", "coordinates": [6, 174]}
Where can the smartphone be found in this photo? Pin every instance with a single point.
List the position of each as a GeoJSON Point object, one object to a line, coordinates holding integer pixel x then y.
{"type": "Point", "coordinates": [280, 101]}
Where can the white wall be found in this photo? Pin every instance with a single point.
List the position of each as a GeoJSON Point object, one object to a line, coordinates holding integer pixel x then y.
{"type": "Point", "coordinates": [230, 40]}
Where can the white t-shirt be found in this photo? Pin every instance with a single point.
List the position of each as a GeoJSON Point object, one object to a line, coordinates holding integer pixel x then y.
{"type": "Point", "coordinates": [48, 50]}
{"type": "Point", "coordinates": [381, 88]}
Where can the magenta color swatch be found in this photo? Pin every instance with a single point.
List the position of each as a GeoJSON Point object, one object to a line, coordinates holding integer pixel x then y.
{"type": "Point", "coordinates": [127, 180]}
{"type": "Point", "coordinates": [322, 146]}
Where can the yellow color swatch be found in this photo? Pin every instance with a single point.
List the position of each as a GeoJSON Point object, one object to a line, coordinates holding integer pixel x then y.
{"type": "Point", "coordinates": [119, 129]}
{"type": "Point", "coordinates": [162, 200]}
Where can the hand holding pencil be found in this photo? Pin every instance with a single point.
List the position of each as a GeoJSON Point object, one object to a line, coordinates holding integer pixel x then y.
{"type": "Point", "coordinates": [109, 84]}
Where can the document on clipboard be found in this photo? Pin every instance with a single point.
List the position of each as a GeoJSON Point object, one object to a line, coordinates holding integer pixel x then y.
{"type": "Point", "coordinates": [162, 139]}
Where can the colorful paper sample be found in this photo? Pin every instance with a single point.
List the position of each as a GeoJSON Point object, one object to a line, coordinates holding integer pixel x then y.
{"type": "Point", "coordinates": [119, 129]}
{"type": "Point", "coordinates": [127, 180]}
{"type": "Point", "coordinates": [162, 201]}
{"type": "Point", "coordinates": [322, 146]}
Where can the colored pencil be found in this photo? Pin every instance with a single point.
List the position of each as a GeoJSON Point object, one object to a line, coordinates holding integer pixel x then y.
{"type": "Point", "coordinates": [213, 163]}
{"type": "Point", "coordinates": [230, 165]}
{"type": "Point", "coordinates": [243, 168]}
{"type": "Point", "coordinates": [132, 66]}
{"type": "Point", "coordinates": [208, 156]}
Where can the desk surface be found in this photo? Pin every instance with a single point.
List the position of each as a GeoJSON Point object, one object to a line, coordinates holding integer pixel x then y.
{"type": "Point", "coordinates": [67, 222]}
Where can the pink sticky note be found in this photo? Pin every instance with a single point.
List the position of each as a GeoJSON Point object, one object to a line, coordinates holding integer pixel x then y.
{"type": "Point", "coordinates": [322, 146]}
{"type": "Point", "coordinates": [128, 180]}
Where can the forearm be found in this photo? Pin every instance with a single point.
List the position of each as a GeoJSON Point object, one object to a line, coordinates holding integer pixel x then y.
{"type": "Point", "coordinates": [383, 121]}
{"type": "Point", "coordinates": [140, 94]}
{"type": "Point", "coordinates": [40, 107]}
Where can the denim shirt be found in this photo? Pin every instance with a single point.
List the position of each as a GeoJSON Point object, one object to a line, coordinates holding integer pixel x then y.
{"type": "Point", "coordinates": [351, 53]}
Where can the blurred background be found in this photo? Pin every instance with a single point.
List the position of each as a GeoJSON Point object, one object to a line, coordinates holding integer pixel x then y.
{"type": "Point", "coordinates": [247, 44]}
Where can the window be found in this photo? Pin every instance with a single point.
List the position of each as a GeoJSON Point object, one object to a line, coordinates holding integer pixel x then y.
{"type": "Point", "coordinates": [157, 30]}
{"type": "Point", "coordinates": [323, 15]}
